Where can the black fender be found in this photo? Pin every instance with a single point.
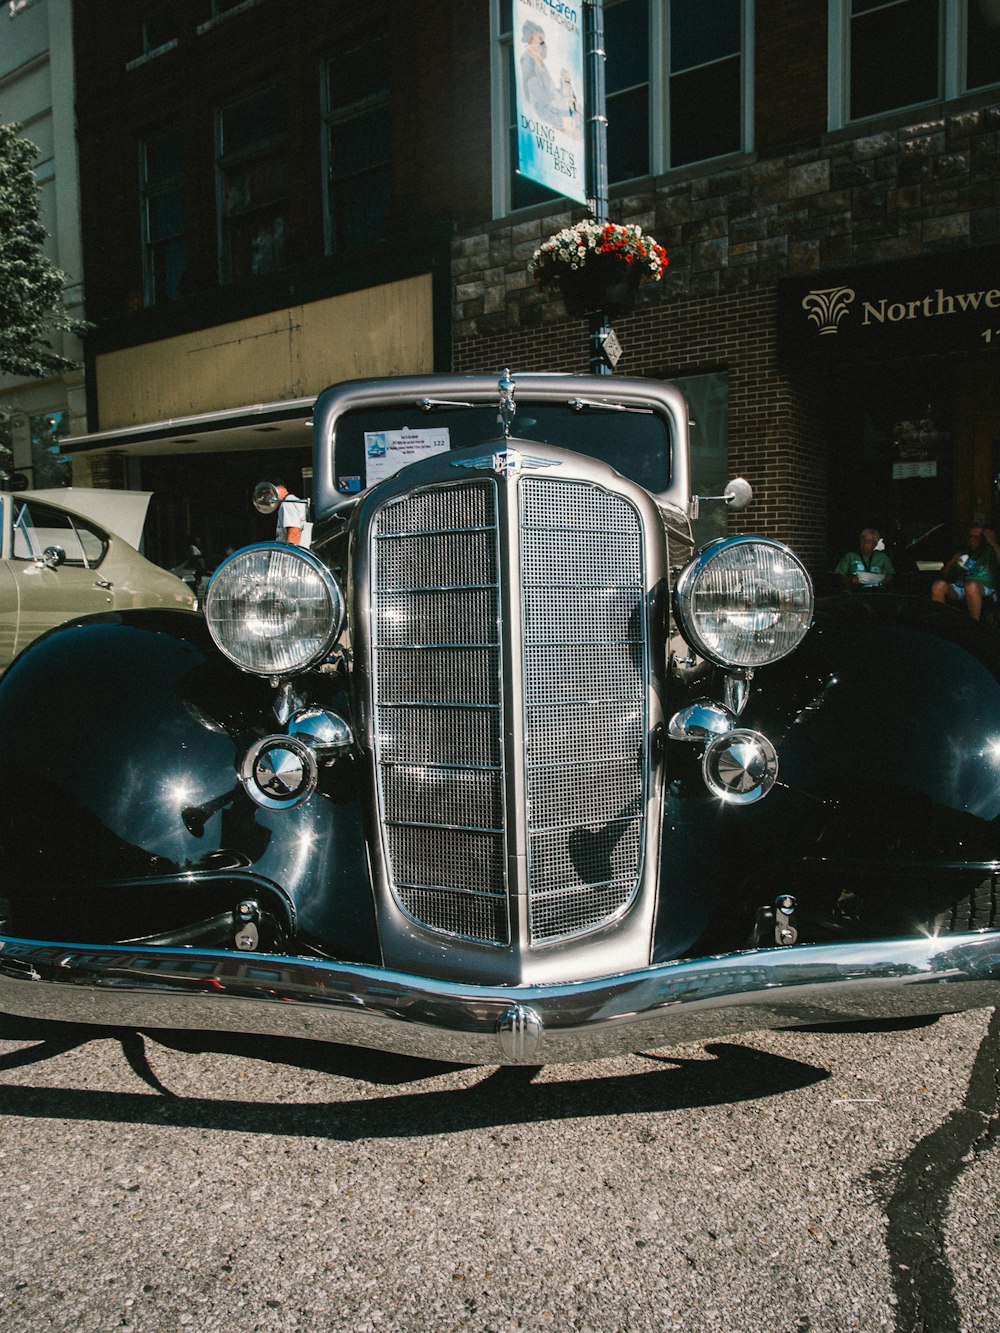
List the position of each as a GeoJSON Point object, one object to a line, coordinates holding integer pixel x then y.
{"type": "Point", "coordinates": [889, 694]}
{"type": "Point", "coordinates": [123, 815]}
{"type": "Point", "coordinates": [887, 726]}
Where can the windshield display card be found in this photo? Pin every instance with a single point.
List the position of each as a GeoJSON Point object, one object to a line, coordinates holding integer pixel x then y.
{"type": "Point", "coordinates": [386, 451]}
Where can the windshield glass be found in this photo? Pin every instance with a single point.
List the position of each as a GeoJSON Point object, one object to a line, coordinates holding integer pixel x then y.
{"type": "Point", "coordinates": [373, 443]}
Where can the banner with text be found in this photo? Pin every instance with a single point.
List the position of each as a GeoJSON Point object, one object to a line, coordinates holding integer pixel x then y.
{"type": "Point", "coordinates": [548, 74]}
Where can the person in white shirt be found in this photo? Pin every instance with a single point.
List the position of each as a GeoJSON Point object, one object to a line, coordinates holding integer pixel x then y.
{"type": "Point", "coordinates": [293, 518]}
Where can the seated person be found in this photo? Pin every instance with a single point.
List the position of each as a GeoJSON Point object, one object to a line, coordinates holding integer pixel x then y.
{"type": "Point", "coordinates": [868, 566]}
{"type": "Point", "coordinates": [972, 574]}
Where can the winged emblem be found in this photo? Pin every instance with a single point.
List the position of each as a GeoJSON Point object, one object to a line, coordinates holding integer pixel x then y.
{"type": "Point", "coordinates": [506, 462]}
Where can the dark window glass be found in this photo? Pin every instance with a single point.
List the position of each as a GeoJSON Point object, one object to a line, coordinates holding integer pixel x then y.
{"type": "Point", "coordinates": [159, 26]}
{"type": "Point", "coordinates": [637, 444]}
{"type": "Point", "coordinates": [983, 63]}
{"type": "Point", "coordinates": [49, 465]}
{"type": "Point", "coordinates": [705, 93]}
{"type": "Point", "coordinates": [626, 40]}
{"type": "Point", "coordinates": [702, 32]}
{"type": "Point", "coordinates": [254, 188]}
{"type": "Point", "coordinates": [626, 78]}
{"type": "Point", "coordinates": [705, 115]}
{"type": "Point", "coordinates": [358, 143]}
{"type": "Point", "coordinates": [164, 225]}
{"type": "Point", "coordinates": [254, 121]}
{"type": "Point", "coordinates": [894, 55]}
{"type": "Point", "coordinates": [628, 135]}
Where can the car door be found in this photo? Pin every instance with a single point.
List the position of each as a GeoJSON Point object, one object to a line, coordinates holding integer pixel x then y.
{"type": "Point", "coordinates": [62, 584]}
{"type": "Point", "coordinates": [8, 586]}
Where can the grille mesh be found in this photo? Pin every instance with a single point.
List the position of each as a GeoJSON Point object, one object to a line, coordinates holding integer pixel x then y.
{"type": "Point", "coordinates": [437, 674]}
{"type": "Point", "coordinates": [437, 670]}
{"type": "Point", "coordinates": [585, 629]}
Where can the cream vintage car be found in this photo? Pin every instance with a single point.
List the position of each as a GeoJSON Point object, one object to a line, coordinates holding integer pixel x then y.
{"type": "Point", "coordinates": [71, 552]}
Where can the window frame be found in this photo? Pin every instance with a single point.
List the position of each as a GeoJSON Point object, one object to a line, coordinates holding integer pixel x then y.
{"type": "Point", "coordinates": [329, 116]}
{"type": "Point", "coordinates": [262, 148]}
{"type": "Point", "coordinates": [148, 194]}
{"type": "Point", "coordinates": [501, 44]}
{"type": "Point", "coordinates": [69, 522]}
{"type": "Point", "coordinates": [953, 17]}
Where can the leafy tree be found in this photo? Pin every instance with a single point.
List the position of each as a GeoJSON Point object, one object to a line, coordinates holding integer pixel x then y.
{"type": "Point", "coordinates": [31, 287]}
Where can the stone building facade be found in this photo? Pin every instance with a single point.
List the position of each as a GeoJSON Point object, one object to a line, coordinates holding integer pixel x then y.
{"type": "Point", "coordinates": [732, 234]}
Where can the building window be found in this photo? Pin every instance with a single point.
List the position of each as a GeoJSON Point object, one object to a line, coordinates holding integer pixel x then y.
{"type": "Point", "coordinates": [705, 54]}
{"type": "Point", "coordinates": [627, 88]}
{"type": "Point", "coordinates": [159, 28]}
{"type": "Point", "coordinates": [253, 185]}
{"type": "Point", "coordinates": [887, 55]}
{"type": "Point", "coordinates": [165, 253]}
{"type": "Point", "coordinates": [356, 143]}
{"type": "Point", "coordinates": [982, 45]}
{"type": "Point", "coordinates": [49, 465]}
{"type": "Point", "coordinates": [678, 84]}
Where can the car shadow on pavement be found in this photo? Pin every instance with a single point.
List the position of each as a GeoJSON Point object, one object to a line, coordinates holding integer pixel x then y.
{"type": "Point", "coordinates": [504, 1096]}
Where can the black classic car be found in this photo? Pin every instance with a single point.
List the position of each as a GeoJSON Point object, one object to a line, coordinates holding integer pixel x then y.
{"type": "Point", "coordinates": [503, 770]}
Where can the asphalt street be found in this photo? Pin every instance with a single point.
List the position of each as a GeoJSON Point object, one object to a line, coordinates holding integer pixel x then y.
{"type": "Point", "coordinates": [811, 1180]}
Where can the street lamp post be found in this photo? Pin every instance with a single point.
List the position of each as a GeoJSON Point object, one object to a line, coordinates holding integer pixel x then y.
{"type": "Point", "coordinates": [597, 160]}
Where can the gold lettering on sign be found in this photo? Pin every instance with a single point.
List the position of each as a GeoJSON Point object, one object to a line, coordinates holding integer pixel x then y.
{"type": "Point", "coordinates": [940, 302]}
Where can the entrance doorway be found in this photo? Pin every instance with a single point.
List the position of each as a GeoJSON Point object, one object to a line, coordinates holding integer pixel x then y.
{"type": "Point", "coordinates": [977, 439]}
{"type": "Point", "coordinates": [915, 452]}
{"type": "Point", "coordinates": [207, 497]}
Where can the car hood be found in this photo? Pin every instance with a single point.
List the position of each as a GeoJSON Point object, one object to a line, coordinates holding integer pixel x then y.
{"type": "Point", "coordinates": [120, 512]}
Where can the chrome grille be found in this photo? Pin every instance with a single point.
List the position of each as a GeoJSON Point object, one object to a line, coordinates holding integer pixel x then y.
{"type": "Point", "coordinates": [437, 667]}
{"type": "Point", "coordinates": [437, 680]}
{"type": "Point", "coordinates": [585, 691]}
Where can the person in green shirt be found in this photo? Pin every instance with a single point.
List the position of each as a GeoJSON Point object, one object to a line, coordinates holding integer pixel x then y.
{"type": "Point", "coordinates": [971, 575]}
{"type": "Point", "coordinates": [868, 566]}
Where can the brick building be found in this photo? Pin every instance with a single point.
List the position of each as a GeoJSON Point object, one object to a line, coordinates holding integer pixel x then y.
{"type": "Point", "coordinates": [278, 195]}
{"type": "Point", "coordinates": [857, 159]}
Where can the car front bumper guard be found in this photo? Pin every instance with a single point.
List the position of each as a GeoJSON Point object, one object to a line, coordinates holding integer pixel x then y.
{"type": "Point", "coordinates": [665, 1004]}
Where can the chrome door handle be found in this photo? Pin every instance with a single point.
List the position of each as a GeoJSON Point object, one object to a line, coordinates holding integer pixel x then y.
{"type": "Point", "coordinates": [102, 583]}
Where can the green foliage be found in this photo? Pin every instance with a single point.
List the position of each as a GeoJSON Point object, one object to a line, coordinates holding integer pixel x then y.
{"type": "Point", "coordinates": [31, 287]}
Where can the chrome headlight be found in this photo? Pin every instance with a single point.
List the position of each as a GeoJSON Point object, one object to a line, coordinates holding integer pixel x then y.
{"type": "Point", "coordinates": [744, 601]}
{"type": "Point", "coordinates": [274, 610]}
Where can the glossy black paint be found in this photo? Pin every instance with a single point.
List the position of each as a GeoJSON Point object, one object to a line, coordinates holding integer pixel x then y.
{"type": "Point", "coordinates": [887, 808]}
{"type": "Point", "coordinates": [123, 736]}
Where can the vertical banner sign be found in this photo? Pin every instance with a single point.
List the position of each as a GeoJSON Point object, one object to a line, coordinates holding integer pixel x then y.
{"type": "Point", "coordinates": [548, 74]}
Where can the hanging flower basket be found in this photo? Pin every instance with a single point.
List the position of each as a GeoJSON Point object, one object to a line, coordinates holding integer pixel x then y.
{"type": "Point", "coordinates": [598, 267]}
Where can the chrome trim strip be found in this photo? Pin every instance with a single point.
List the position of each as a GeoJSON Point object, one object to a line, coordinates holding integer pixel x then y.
{"type": "Point", "coordinates": [665, 1004]}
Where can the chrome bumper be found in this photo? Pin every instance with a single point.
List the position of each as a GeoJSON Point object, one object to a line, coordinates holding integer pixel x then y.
{"type": "Point", "coordinates": [364, 1006]}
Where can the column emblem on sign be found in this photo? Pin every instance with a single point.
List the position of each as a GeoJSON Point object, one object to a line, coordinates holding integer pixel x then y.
{"type": "Point", "coordinates": [827, 306]}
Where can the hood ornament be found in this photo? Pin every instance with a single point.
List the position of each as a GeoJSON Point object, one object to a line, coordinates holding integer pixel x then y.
{"type": "Point", "coordinates": [506, 462]}
{"type": "Point", "coordinates": [507, 404]}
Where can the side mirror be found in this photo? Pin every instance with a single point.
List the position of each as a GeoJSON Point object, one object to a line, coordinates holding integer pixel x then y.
{"type": "Point", "coordinates": [737, 496]}
{"type": "Point", "coordinates": [265, 497]}
{"type": "Point", "coordinates": [53, 557]}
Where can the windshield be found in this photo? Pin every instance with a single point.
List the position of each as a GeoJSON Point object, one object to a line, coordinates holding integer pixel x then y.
{"type": "Point", "coordinates": [373, 443]}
